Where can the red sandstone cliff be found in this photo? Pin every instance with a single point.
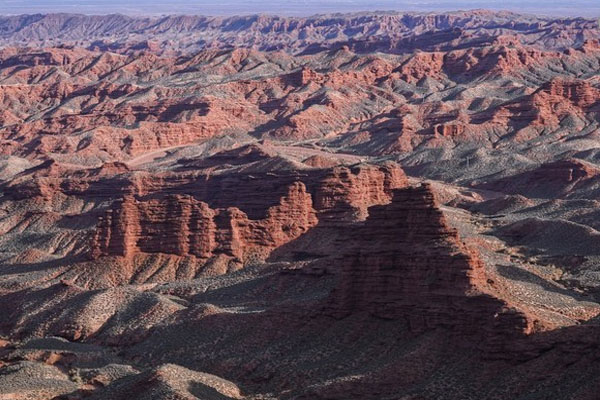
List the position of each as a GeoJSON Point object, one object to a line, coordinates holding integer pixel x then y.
{"type": "Point", "coordinates": [181, 225]}
{"type": "Point", "coordinates": [404, 261]}
{"type": "Point", "coordinates": [217, 226]}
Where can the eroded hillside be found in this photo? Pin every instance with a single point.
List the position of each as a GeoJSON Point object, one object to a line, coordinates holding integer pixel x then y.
{"type": "Point", "coordinates": [372, 206]}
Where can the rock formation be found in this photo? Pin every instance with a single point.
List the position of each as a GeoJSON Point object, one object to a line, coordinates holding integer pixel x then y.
{"type": "Point", "coordinates": [404, 261]}
{"type": "Point", "coordinates": [181, 225]}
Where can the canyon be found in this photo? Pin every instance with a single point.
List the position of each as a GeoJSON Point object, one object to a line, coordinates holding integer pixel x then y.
{"type": "Point", "coordinates": [350, 206]}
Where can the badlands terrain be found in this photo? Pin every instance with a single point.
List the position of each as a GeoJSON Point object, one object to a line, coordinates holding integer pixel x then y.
{"type": "Point", "coordinates": [361, 206]}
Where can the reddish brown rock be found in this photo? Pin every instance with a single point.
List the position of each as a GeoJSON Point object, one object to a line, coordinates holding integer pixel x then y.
{"type": "Point", "coordinates": [404, 261]}
{"type": "Point", "coordinates": [346, 193]}
{"type": "Point", "coordinates": [181, 225]}
{"type": "Point", "coordinates": [449, 130]}
{"type": "Point", "coordinates": [580, 93]}
{"type": "Point", "coordinates": [318, 161]}
{"type": "Point", "coordinates": [236, 219]}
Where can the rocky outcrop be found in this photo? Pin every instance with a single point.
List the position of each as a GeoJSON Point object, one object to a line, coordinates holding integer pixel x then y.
{"type": "Point", "coordinates": [225, 215]}
{"type": "Point", "coordinates": [181, 225]}
{"type": "Point", "coordinates": [449, 130]}
{"type": "Point", "coordinates": [346, 193]}
{"type": "Point", "coordinates": [404, 261]}
{"type": "Point", "coordinates": [578, 92]}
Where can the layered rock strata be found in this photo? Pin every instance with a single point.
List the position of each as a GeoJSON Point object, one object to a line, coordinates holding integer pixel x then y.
{"type": "Point", "coordinates": [231, 220]}
{"type": "Point", "coordinates": [404, 261]}
{"type": "Point", "coordinates": [181, 225]}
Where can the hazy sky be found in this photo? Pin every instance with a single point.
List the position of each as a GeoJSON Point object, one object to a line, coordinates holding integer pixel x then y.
{"type": "Point", "coordinates": [588, 8]}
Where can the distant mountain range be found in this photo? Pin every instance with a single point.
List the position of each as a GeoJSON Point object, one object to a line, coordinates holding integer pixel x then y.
{"type": "Point", "coordinates": [391, 32]}
{"type": "Point", "coordinates": [304, 7]}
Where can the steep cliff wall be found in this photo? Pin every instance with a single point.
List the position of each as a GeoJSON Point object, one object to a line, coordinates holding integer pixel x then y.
{"type": "Point", "coordinates": [404, 261]}
{"type": "Point", "coordinates": [181, 225]}
{"type": "Point", "coordinates": [234, 216]}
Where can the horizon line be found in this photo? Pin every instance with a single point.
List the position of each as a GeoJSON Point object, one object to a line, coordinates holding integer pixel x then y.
{"type": "Point", "coordinates": [304, 15]}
